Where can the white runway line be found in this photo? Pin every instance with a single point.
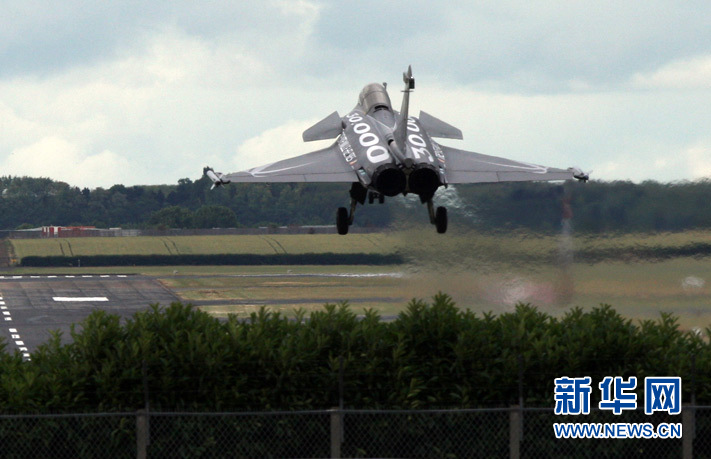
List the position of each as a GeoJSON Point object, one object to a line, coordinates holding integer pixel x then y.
{"type": "Point", "coordinates": [69, 276]}
{"type": "Point", "coordinates": [80, 299]}
{"type": "Point", "coordinates": [14, 335]}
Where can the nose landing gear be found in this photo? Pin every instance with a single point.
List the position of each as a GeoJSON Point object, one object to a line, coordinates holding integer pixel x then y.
{"type": "Point", "coordinates": [373, 195]}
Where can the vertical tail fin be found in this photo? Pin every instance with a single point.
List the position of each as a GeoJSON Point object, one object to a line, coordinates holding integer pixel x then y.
{"type": "Point", "coordinates": [401, 129]}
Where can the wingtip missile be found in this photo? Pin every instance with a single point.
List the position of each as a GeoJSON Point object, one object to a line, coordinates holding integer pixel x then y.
{"type": "Point", "coordinates": [580, 175]}
{"type": "Point", "coordinates": [216, 177]}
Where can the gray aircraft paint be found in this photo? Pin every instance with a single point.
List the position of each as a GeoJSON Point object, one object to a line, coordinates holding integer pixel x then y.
{"type": "Point", "coordinates": [390, 153]}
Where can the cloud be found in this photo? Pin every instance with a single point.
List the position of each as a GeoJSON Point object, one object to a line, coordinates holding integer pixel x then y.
{"type": "Point", "coordinates": [694, 73]}
{"type": "Point", "coordinates": [698, 160]}
{"type": "Point", "coordinates": [276, 144]}
{"type": "Point", "coordinates": [170, 90]}
{"type": "Point", "coordinates": [61, 160]}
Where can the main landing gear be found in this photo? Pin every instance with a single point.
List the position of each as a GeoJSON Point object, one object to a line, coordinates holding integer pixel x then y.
{"type": "Point", "coordinates": [344, 217]}
{"type": "Point", "coordinates": [438, 218]}
{"type": "Point", "coordinates": [343, 221]}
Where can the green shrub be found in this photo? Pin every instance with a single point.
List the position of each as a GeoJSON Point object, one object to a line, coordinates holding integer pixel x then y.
{"type": "Point", "coordinates": [433, 355]}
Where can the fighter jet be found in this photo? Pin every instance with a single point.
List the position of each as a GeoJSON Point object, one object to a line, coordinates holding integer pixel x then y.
{"type": "Point", "coordinates": [383, 152]}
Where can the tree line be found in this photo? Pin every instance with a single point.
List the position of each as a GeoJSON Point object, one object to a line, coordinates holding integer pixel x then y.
{"type": "Point", "coordinates": [596, 207]}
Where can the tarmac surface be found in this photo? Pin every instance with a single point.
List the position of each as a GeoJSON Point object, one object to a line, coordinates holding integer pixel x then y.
{"type": "Point", "coordinates": [32, 306]}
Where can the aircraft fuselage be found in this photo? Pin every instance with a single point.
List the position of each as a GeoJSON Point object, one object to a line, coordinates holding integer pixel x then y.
{"type": "Point", "coordinates": [388, 158]}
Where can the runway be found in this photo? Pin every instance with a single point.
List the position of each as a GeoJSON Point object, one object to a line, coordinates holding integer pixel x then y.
{"type": "Point", "coordinates": [32, 306]}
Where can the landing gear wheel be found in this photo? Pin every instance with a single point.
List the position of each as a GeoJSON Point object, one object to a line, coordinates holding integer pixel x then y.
{"type": "Point", "coordinates": [441, 220]}
{"type": "Point", "coordinates": [371, 197]}
{"type": "Point", "coordinates": [342, 220]}
{"type": "Point", "coordinates": [381, 198]}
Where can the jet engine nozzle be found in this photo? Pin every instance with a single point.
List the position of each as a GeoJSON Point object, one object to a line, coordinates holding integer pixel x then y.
{"type": "Point", "coordinates": [424, 181]}
{"type": "Point", "coordinates": [389, 180]}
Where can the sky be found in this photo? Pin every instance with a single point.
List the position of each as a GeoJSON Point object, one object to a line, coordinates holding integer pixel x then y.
{"type": "Point", "coordinates": [102, 93]}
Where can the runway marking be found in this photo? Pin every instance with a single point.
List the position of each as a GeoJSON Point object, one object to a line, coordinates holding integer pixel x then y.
{"type": "Point", "coordinates": [14, 335]}
{"type": "Point", "coordinates": [80, 299]}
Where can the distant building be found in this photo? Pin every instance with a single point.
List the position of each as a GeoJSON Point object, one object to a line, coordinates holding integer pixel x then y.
{"type": "Point", "coordinates": [67, 231]}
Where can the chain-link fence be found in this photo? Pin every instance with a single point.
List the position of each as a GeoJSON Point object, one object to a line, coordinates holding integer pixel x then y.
{"type": "Point", "coordinates": [506, 432]}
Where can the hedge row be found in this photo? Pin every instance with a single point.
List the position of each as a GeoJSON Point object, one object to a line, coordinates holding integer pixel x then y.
{"type": "Point", "coordinates": [431, 355]}
{"type": "Point", "coordinates": [221, 259]}
{"type": "Point", "coordinates": [697, 249]}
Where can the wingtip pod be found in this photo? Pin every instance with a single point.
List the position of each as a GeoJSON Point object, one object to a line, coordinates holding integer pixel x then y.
{"type": "Point", "coordinates": [216, 177]}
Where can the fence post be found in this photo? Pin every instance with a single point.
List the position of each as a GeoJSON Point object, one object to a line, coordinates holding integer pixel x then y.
{"type": "Point", "coordinates": [688, 429]}
{"type": "Point", "coordinates": [142, 434]}
{"type": "Point", "coordinates": [336, 432]}
{"type": "Point", "coordinates": [515, 433]}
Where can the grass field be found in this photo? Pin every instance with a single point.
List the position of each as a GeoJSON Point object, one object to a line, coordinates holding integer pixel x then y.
{"type": "Point", "coordinates": [482, 272]}
{"type": "Point", "coordinates": [417, 243]}
{"type": "Point", "coordinates": [208, 245]}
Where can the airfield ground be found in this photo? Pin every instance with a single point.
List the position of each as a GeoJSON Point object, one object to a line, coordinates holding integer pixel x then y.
{"type": "Point", "coordinates": [481, 272]}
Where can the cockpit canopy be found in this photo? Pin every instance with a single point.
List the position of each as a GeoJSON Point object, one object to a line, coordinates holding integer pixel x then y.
{"type": "Point", "coordinates": [374, 97]}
